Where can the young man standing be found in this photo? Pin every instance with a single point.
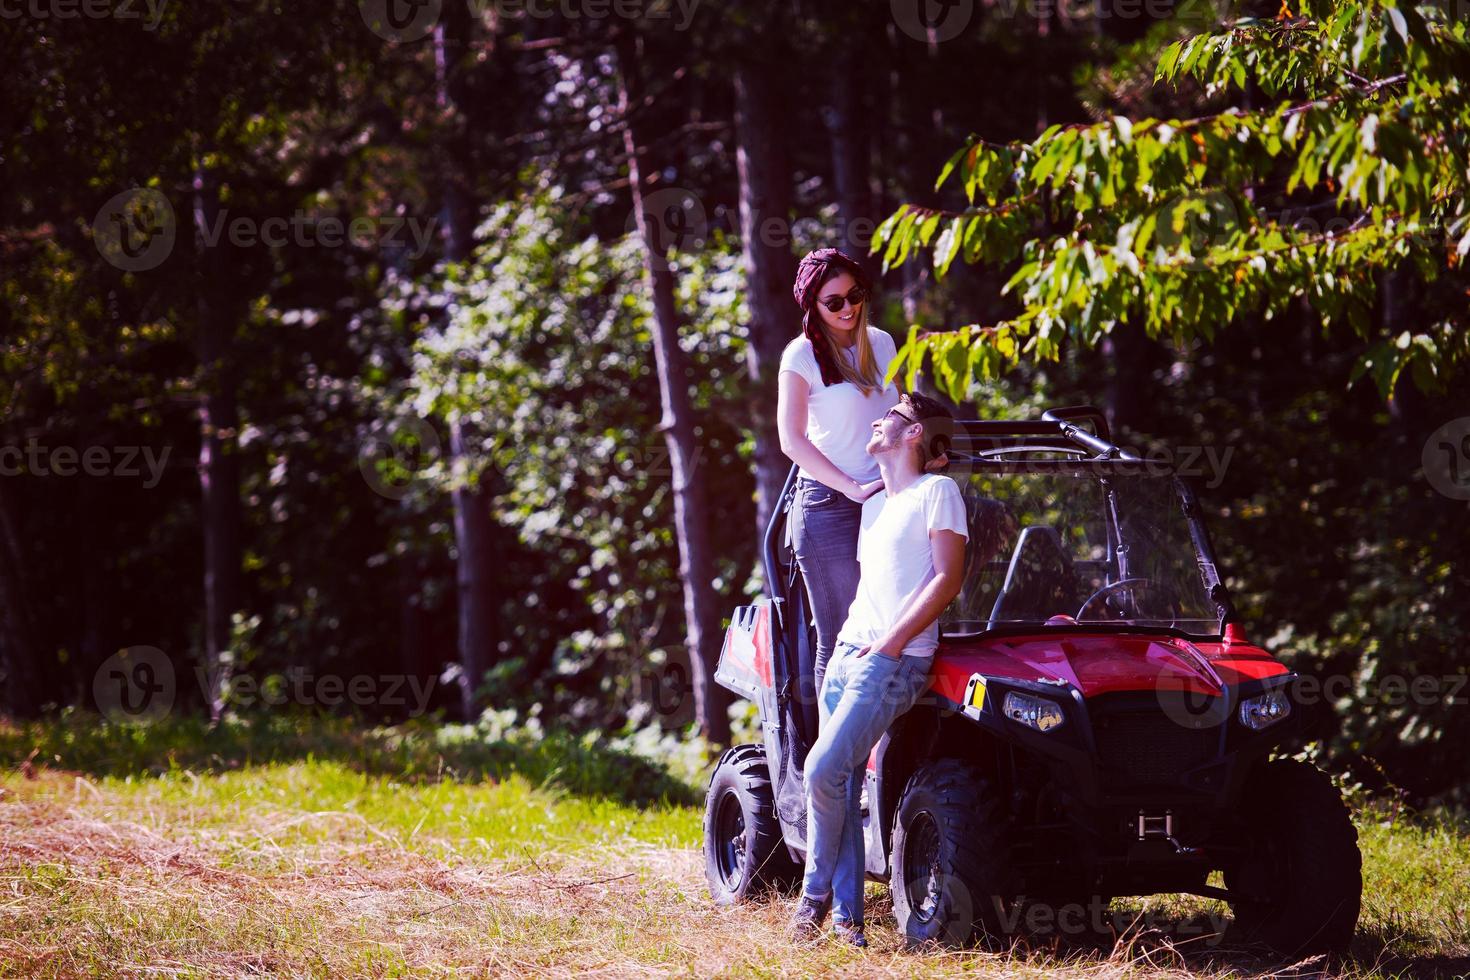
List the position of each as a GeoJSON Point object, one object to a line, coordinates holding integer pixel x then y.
{"type": "Point", "coordinates": [911, 552]}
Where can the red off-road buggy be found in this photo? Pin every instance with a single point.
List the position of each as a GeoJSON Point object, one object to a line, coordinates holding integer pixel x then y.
{"type": "Point", "coordinates": [1096, 723]}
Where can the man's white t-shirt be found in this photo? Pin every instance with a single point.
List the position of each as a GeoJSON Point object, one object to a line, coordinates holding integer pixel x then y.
{"type": "Point", "coordinates": [897, 558]}
{"type": "Point", "coordinates": [839, 419]}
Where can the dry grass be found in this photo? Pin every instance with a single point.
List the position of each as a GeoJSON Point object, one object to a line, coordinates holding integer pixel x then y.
{"type": "Point", "coordinates": [307, 869]}
{"type": "Point", "coordinates": [92, 886]}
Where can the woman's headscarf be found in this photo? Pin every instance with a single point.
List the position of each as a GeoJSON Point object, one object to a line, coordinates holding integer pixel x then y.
{"type": "Point", "coordinates": [814, 270]}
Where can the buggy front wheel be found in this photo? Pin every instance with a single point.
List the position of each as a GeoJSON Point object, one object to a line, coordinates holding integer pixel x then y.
{"type": "Point", "coordinates": [745, 854]}
{"type": "Point", "coordinates": [951, 880]}
{"type": "Point", "coordinates": [1302, 883]}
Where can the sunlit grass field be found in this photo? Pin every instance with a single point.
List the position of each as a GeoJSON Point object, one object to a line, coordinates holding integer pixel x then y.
{"type": "Point", "coordinates": [316, 847]}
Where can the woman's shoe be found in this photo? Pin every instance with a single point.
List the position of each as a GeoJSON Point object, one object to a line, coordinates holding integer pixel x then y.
{"type": "Point", "coordinates": [806, 924]}
{"type": "Point", "coordinates": [850, 934]}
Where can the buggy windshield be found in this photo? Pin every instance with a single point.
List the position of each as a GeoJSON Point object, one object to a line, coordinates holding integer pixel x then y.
{"type": "Point", "coordinates": [1057, 548]}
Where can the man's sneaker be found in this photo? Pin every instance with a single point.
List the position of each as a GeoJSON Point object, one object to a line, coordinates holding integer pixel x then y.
{"type": "Point", "coordinates": [849, 933]}
{"type": "Point", "coordinates": [806, 924]}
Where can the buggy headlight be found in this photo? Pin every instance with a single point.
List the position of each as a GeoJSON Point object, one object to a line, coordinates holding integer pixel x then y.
{"type": "Point", "coordinates": [1264, 710]}
{"type": "Point", "coordinates": [1041, 714]}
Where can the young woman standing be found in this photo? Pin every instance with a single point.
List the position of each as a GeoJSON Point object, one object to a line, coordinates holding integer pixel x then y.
{"type": "Point", "coordinates": [831, 391]}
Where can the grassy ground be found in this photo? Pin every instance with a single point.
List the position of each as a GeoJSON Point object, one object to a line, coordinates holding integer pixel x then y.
{"type": "Point", "coordinates": [316, 849]}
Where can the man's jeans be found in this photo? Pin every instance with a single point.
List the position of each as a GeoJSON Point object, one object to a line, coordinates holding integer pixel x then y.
{"type": "Point", "coordinates": [824, 534]}
{"type": "Point", "coordinates": [860, 698]}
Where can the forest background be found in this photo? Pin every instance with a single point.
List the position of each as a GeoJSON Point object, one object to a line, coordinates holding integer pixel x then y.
{"type": "Point", "coordinates": [398, 358]}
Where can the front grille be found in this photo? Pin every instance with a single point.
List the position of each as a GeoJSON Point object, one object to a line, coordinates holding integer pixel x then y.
{"type": "Point", "coordinates": [1139, 748]}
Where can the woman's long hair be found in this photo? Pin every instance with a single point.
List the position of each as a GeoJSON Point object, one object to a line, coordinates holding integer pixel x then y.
{"type": "Point", "coordinates": [816, 270]}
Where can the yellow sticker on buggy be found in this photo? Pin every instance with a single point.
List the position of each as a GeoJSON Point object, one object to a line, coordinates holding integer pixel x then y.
{"type": "Point", "coordinates": [975, 695]}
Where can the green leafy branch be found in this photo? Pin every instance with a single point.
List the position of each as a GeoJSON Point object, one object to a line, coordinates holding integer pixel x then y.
{"type": "Point", "coordinates": [1166, 222]}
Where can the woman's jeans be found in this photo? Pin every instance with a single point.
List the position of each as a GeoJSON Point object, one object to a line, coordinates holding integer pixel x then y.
{"type": "Point", "coordinates": [861, 697]}
{"type": "Point", "coordinates": [824, 533]}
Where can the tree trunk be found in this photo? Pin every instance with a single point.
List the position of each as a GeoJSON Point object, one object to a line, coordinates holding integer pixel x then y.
{"type": "Point", "coordinates": [474, 534]}
{"type": "Point", "coordinates": [94, 586]}
{"type": "Point", "coordinates": [696, 566]}
{"type": "Point", "coordinates": [907, 106]}
{"type": "Point", "coordinates": [219, 464]}
{"type": "Point", "coordinates": [1127, 354]}
{"type": "Point", "coordinates": [764, 170]}
{"type": "Point", "coordinates": [851, 155]}
{"type": "Point", "coordinates": [20, 691]}
{"type": "Point", "coordinates": [410, 613]}
{"type": "Point", "coordinates": [474, 528]}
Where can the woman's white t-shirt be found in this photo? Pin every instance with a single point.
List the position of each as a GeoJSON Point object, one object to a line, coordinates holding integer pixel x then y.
{"type": "Point", "coordinates": [839, 419]}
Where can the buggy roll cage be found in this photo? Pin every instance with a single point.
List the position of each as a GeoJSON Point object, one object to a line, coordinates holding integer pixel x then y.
{"type": "Point", "coordinates": [1010, 446]}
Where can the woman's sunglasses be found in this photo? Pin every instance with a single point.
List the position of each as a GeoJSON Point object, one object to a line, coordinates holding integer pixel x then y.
{"type": "Point", "coordinates": [834, 304]}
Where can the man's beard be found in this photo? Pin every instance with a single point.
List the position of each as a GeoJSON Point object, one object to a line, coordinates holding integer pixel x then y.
{"type": "Point", "coordinates": [878, 447]}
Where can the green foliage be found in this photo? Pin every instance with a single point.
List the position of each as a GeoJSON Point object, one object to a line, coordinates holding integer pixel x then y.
{"type": "Point", "coordinates": [539, 345]}
{"type": "Point", "coordinates": [1185, 226]}
{"type": "Point", "coordinates": [545, 358]}
{"type": "Point", "coordinates": [418, 752]}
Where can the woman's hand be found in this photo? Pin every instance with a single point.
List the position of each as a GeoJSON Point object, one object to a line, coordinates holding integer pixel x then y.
{"type": "Point", "coordinates": [937, 463]}
{"type": "Point", "coordinates": [859, 492]}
